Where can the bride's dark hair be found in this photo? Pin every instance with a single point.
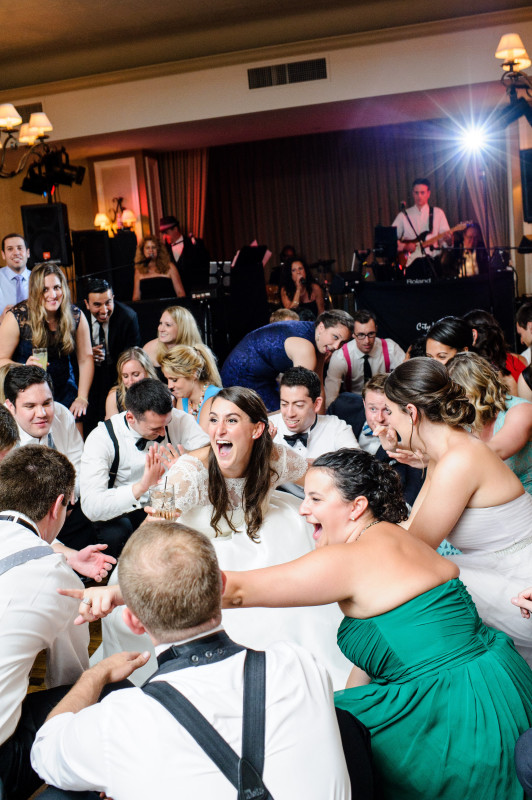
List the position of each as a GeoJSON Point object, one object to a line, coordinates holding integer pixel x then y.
{"type": "Point", "coordinates": [425, 384]}
{"type": "Point", "coordinates": [259, 473]}
{"type": "Point", "coordinates": [356, 473]}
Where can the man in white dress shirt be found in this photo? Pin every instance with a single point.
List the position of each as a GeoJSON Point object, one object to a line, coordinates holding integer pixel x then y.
{"type": "Point", "coordinates": [300, 426]}
{"type": "Point", "coordinates": [172, 586]}
{"type": "Point", "coordinates": [361, 358]}
{"type": "Point", "coordinates": [29, 397]}
{"type": "Point", "coordinates": [35, 486]}
{"type": "Point", "coordinates": [14, 277]}
{"type": "Point", "coordinates": [420, 218]}
{"type": "Point", "coordinates": [117, 473]}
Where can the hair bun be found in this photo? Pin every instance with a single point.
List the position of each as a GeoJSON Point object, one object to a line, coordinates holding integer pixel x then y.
{"type": "Point", "coordinates": [456, 408]}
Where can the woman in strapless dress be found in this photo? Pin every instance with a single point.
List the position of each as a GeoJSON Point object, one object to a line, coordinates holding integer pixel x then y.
{"type": "Point", "coordinates": [442, 694]}
{"type": "Point", "coordinates": [470, 497]}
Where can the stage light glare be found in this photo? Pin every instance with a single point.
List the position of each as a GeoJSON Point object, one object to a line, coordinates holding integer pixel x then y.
{"type": "Point", "coordinates": [474, 139]}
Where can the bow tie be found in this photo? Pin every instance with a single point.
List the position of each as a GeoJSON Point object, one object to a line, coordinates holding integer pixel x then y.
{"type": "Point", "coordinates": [141, 443]}
{"type": "Point", "coordinates": [297, 437]}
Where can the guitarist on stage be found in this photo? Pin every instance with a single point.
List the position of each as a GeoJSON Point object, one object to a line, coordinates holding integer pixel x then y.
{"type": "Point", "coordinates": [420, 222]}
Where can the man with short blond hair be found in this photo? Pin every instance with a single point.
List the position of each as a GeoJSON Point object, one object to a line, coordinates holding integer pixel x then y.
{"type": "Point", "coordinates": [171, 582]}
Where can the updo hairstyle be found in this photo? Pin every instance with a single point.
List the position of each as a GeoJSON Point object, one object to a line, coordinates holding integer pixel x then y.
{"type": "Point", "coordinates": [192, 361]}
{"type": "Point", "coordinates": [453, 332]}
{"type": "Point", "coordinates": [425, 384]}
{"type": "Point", "coordinates": [356, 473]}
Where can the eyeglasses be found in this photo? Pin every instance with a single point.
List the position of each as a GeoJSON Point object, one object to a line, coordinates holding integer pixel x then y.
{"type": "Point", "coordinates": [362, 336]}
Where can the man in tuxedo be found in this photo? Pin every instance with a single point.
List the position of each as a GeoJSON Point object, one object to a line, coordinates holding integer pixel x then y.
{"type": "Point", "coordinates": [188, 254]}
{"type": "Point", "coordinates": [114, 327]}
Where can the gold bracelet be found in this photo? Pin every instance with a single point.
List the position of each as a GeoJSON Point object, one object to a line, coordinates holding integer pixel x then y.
{"type": "Point", "coordinates": [79, 397]}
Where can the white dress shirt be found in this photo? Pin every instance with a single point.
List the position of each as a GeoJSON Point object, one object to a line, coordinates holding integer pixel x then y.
{"type": "Point", "coordinates": [95, 330]}
{"type": "Point", "coordinates": [8, 286]}
{"type": "Point", "coordinates": [131, 748]}
{"type": "Point", "coordinates": [100, 503]}
{"type": "Point", "coordinates": [338, 366]}
{"type": "Point", "coordinates": [420, 221]}
{"type": "Point", "coordinates": [328, 434]}
{"type": "Point", "coordinates": [34, 617]}
{"type": "Point", "coordinates": [63, 437]}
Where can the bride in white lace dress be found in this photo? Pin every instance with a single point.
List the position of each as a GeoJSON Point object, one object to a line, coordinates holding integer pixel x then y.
{"type": "Point", "coordinates": [233, 498]}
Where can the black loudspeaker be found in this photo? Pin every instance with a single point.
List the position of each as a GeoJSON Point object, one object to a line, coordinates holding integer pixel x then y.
{"type": "Point", "coordinates": [47, 233]}
{"type": "Point", "coordinates": [525, 157]}
{"type": "Point", "coordinates": [92, 254]}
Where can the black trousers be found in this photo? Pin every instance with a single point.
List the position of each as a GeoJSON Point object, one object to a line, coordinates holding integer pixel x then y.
{"type": "Point", "coordinates": [523, 761]}
{"type": "Point", "coordinates": [115, 532]}
{"type": "Point", "coordinates": [19, 779]}
{"type": "Point", "coordinates": [78, 531]}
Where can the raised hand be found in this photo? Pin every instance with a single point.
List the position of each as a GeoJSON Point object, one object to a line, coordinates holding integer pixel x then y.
{"type": "Point", "coordinates": [92, 562]}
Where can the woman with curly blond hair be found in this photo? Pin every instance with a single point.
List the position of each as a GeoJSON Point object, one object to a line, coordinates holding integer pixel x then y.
{"type": "Point", "coordinates": [47, 319]}
{"type": "Point", "coordinates": [502, 421]}
{"type": "Point", "coordinates": [155, 274]}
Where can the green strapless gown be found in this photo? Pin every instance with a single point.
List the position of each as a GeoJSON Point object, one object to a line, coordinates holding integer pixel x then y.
{"type": "Point", "coordinates": [447, 700]}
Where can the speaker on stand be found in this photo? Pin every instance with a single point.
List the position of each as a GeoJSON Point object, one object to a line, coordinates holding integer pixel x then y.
{"type": "Point", "coordinates": [47, 232]}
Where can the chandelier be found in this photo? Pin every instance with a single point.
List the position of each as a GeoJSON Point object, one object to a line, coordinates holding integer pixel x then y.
{"type": "Point", "coordinates": [31, 137]}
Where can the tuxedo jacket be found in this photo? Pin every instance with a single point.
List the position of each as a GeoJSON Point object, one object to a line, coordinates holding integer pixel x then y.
{"type": "Point", "coordinates": [193, 264]}
{"type": "Point", "coordinates": [123, 332]}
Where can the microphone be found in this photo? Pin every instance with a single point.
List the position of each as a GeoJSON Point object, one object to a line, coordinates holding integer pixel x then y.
{"type": "Point", "coordinates": [403, 205]}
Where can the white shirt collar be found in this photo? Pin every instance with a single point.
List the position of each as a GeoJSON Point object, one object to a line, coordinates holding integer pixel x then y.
{"type": "Point", "coordinates": [160, 648]}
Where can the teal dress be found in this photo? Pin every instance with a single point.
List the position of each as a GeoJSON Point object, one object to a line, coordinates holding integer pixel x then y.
{"type": "Point", "coordinates": [521, 462]}
{"type": "Point", "coordinates": [447, 700]}
{"type": "Point", "coordinates": [210, 391]}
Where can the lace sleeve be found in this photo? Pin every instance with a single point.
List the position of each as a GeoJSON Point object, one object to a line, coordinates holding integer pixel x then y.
{"type": "Point", "coordinates": [288, 464]}
{"type": "Point", "coordinates": [190, 479]}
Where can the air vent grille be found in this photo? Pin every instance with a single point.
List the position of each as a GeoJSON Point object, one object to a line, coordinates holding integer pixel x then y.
{"type": "Point", "coordinates": [294, 72]}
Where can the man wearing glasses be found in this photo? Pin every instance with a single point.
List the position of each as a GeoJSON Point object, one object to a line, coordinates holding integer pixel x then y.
{"type": "Point", "coordinates": [361, 358]}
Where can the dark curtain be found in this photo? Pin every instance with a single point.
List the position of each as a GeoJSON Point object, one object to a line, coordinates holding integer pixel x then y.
{"type": "Point", "coordinates": [324, 193]}
{"type": "Point", "coordinates": [183, 179]}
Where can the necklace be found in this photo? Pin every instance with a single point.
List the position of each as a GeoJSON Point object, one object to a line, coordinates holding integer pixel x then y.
{"type": "Point", "coordinates": [195, 407]}
{"type": "Point", "coordinates": [375, 522]}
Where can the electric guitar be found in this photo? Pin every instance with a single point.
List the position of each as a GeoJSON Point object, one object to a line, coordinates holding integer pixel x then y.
{"type": "Point", "coordinates": [404, 255]}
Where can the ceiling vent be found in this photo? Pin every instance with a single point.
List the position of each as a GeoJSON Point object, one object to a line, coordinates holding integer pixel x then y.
{"type": "Point", "coordinates": [281, 74]}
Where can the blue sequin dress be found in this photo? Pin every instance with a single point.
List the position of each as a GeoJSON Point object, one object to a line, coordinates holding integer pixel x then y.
{"type": "Point", "coordinates": [258, 359]}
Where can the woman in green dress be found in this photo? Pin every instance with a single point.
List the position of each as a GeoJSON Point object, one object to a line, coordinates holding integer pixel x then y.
{"type": "Point", "coordinates": [444, 696]}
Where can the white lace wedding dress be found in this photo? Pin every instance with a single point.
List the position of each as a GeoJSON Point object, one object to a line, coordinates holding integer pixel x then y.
{"type": "Point", "coordinates": [284, 535]}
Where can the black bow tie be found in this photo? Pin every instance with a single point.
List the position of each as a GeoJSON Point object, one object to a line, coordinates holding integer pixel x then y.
{"type": "Point", "coordinates": [297, 437]}
{"type": "Point", "coordinates": [141, 443]}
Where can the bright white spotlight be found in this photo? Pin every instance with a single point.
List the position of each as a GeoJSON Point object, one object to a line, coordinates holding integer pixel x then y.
{"type": "Point", "coordinates": [474, 139]}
